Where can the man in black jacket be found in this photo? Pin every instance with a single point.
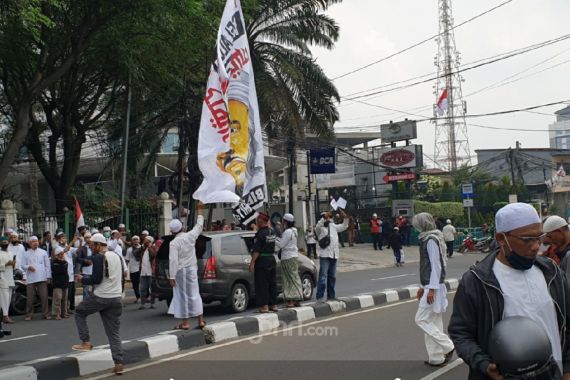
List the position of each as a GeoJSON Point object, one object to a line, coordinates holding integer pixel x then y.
{"type": "Point", "coordinates": [514, 281]}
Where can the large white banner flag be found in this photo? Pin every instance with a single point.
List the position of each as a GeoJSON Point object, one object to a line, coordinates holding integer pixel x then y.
{"type": "Point", "coordinates": [230, 146]}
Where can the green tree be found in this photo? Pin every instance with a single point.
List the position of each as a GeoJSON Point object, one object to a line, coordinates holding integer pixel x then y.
{"type": "Point", "coordinates": [294, 93]}
{"type": "Point", "coordinates": [40, 42]}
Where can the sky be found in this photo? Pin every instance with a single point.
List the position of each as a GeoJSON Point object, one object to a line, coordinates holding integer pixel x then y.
{"type": "Point", "coordinates": [373, 29]}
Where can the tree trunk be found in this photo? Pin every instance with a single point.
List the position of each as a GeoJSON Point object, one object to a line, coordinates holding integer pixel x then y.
{"type": "Point", "coordinates": [21, 129]}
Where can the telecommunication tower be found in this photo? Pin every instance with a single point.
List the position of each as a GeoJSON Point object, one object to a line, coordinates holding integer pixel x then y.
{"type": "Point", "coordinates": [451, 141]}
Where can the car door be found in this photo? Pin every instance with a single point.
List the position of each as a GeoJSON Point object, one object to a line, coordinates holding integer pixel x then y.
{"type": "Point", "coordinates": [234, 262]}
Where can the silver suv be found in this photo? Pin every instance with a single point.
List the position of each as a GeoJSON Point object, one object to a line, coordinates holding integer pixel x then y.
{"type": "Point", "coordinates": [223, 261]}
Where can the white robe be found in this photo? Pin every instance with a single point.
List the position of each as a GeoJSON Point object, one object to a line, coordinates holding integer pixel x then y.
{"type": "Point", "coordinates": [186, 301]}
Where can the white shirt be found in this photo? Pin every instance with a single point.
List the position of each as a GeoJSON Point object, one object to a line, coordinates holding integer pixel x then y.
{"type": "Point", "coordinates": [440, 302]}
{"type": "Point", "coordinates": [310, 236]}
{"type": "Point", "coordinates": [333, 250]}
{"type": "Point", "coordinates": [110, 287]}
{"type": "Point", "coordinates": [287, 243]}
{"type": "Point", "coordinates": [134, 265]}
{"type": "Point", "coordinates": [69, 258]}
{"type": "Point", "coordinates": [38, 259]}
{"type": "Point", "coordinates": [182, 249]}
{"type": "Point", "coordinates": [449, 232]}
{"type": "Point", "coordinates": [526, 294]}
{"type": "Point", "coordinates": [88, 270]}
{"type": "Point", "coordinates": [17, 252]}
{"type": "Point", "coordinates": [146, 269]}
{"type": "Point", "coordinates": [6, 271]}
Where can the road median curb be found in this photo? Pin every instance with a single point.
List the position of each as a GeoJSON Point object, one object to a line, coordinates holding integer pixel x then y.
{"type": "Point", "coordinates": [140, 350]}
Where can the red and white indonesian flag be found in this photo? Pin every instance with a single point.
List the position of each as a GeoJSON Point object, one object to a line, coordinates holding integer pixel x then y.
{"type": "Point", "coordinates": [79, 221]}
{"type": "Point", "coordinates": [230, 146]}
{"type": "Point", "coordinates": [441, 105]}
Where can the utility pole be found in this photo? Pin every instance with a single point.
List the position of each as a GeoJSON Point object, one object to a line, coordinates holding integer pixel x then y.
{"type": "Point", "coordinates": [309, 181]}
{"type": "Point", "coordinates": [291, 153]}
{"type": "Point", "coordinates": [126, 149]}
{"type": "Point", "coordinates": [374, 176]}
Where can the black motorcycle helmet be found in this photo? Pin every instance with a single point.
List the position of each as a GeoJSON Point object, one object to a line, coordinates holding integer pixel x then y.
{"type": "Point", "coordinates": [521, 349]}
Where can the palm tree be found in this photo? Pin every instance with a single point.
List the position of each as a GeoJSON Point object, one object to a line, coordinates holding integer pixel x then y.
{"type": "Point", "coordinates": [294, 94]}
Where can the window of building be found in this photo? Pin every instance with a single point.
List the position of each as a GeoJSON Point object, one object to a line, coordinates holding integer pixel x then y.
{"type": "Point", "coordinates": [170, 144]}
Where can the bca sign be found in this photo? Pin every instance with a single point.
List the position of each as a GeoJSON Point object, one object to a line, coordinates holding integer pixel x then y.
{"type": "Point", "coordinates": [323, 161]}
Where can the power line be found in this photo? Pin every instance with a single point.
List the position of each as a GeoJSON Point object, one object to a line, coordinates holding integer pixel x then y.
{"type": "Point", "coordinates": [421, 42]}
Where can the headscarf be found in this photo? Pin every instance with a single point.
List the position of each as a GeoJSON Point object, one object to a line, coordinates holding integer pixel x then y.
{"type": "Point", "coordinates": [425, 224]}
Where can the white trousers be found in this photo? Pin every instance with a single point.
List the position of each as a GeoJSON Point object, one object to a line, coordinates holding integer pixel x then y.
{"type": "Point", "coordinates": [5, 298]}
{"type": "Point", "coordinates": [437, 342]}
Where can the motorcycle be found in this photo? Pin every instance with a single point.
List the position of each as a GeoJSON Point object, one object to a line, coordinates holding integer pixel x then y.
{"type": "Point", "coordinates": [20, 297]}
{"type": "Point", "coordinates": [470, 244]}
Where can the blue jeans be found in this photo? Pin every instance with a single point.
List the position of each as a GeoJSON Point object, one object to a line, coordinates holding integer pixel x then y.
{"type": "Point", "coordinates": [327, 278]}
{"type": "Point", "coordinates": [397, 254]}
{"type": "Point", "coordinates": [87, 288]}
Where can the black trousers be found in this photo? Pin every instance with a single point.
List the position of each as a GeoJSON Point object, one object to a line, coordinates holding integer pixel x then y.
{"type": "Point", "coordinates": [449, 248]}
{"type": "Point", "coordinates": [265, 275]}
{"type": "Point", "coordinates": [135, 281]}
{"type": "Point", "coordinates": [312, 250]}
{"type": "Point", "coordinates": [376, 242]}
{"type": "Point", "coordinates": [71, 295]}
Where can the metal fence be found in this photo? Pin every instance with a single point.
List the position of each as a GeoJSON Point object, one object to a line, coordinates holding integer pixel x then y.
{"type": "Point", "coordinates": [135, 222]}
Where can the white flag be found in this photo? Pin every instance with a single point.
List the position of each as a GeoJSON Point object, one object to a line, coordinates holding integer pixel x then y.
{"type": "Point", "coordinates": [230, 146]}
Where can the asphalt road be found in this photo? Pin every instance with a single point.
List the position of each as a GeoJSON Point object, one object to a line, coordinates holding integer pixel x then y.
{"type": "Point", "coordinates": [378, 343]}
{"type": "Point", "coordinates": [40, 339]}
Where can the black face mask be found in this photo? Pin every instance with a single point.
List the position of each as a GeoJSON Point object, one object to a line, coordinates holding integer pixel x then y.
{"type": "Point", "coordinates": [517, 261]}
{"type": "Point", "coordinates": [520, 262]}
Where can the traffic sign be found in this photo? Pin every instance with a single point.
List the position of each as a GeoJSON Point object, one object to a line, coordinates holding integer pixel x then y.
{"type": "Point", "coordinates": [468, 203]}
{"type": "Point", "coordinates": [399, 177]}
{"type": "Point", "coordinates": [467, 188]}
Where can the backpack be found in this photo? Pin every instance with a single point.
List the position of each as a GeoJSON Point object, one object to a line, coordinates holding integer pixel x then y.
{"type": "Point", "coordinates": [325, 241]}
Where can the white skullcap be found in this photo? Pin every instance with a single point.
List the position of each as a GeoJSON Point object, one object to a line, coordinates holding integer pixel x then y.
{"type": "Point", "coordinates": [122, 225]}
{"type": "Point", "coordinates": [448, 221]}
{"type": "Point", "coordinates": [33, 238]}
{"type": "Point", "coordinates": [515, 215]}
{"type": "Point", "coordinates": [59, 250]}
{"type": "Point", "coordinates": [149, 238]}
{"type": "Point", "coordinates": [135, 238]}
{"type": "Point", "coordinates": [107, 229]}
{"type": "Point", "coordinates": [114, 232]}
{"type": "Point", "coordinates": [9, 231]}
{"type": "Point", "coordinates": [289, 217]}
{"type": "Point", "coordinates": [87, 234]}
{"type": "Point", "coordinates": [553, 223]}
{"type": "Point", "coordinates": [98, 238]}
{"type": "Point", "coordinates": [94, 231]}
{"type": "Point", "coordinates": [175, 225]}
{"type": "Point", "coordinates": [145, 232]}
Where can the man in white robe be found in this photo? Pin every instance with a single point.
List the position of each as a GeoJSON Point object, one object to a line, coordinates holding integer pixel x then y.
{"type": "Point", "coordinates": [183, 273]}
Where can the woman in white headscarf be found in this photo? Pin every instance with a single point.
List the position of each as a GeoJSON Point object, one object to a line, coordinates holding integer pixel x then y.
{"type": "Point", "coordinates": [432, 294]}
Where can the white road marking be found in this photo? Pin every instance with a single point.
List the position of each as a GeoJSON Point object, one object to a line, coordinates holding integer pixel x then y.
{"type": "Point", "coordinates": [443, 370]}
{"type": "Point", "coordinates": [21, 338]}
{"type": "Point", "coordinates": [386, 278]}
{"type": "Point", "coordinates": [249, 338]}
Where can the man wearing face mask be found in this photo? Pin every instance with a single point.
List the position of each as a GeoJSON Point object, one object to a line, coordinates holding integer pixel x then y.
{"type": "Point", "coordinates": [514, 281]}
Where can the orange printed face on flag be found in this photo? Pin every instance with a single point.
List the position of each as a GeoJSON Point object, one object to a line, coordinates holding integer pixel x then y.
{"type": "Point", "coordinates": [230, 146]}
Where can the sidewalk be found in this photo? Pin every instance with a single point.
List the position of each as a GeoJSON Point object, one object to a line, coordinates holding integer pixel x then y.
{"type": "Point", "coordinates": [363, 256]}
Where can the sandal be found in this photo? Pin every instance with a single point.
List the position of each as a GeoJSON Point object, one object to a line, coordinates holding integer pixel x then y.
{"type": "Point", "coordinates": [82, 347]}
{"type": "Point", "coordinates": [201, 326]}
{"type": "Point", "coordinates": [181, 327]}
{"type": "Point", "coordinates": [261, 311]}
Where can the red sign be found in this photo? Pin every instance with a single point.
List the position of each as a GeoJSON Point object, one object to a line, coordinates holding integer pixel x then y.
{"type": "Point", "coordinates": [397, 158]}
{"type": "Point", "coordinates": [399, 177]}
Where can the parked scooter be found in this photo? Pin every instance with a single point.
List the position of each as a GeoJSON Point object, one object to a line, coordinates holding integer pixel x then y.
{"type": "Point", "coordinates": [471, 244]}
{"type": "Point", "coordinates": [20, 297]}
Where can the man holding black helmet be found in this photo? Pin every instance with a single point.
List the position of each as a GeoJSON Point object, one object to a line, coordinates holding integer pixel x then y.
{"type": "Point", "coordinates": [513, 282]}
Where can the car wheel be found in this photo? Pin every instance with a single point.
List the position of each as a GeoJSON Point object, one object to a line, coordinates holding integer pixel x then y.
{"type": "Point", "coordinates": [308, 286]}
{"type": "Point", "coordinates": [19, 300]}
{"type": "Point", "coordinates": [238, 299]}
